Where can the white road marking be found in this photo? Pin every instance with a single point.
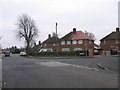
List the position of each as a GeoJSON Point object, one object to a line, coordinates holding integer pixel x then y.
{"type": "Point", "coordinates": [58, 64]}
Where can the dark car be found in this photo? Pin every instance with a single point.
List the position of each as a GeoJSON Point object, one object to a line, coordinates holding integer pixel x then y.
{"type": "Point", "coordinates": [7, 54]}
{"type": "Point", "coordinates": [114, 51]}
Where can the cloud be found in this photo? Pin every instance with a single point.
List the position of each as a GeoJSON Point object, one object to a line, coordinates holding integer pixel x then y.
{"type": "Point", "coordinates": [96, 16]}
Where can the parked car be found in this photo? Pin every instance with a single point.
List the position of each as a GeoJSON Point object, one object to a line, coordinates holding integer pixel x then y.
{"type": "Point", "coordinates": [45, 50]}
{"type": "Point", "coordinates": [96, 52]}
{"type": "Point", "coordinates": [7, 54]}
{"type": "Point", "coordinates": [114, 51]}
{"type": "Point", "coordinates": [22, 53]}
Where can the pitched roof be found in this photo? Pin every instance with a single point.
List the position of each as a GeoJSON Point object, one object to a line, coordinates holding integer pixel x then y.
{"type": "Point", "coordinates": [80, 35]}
{"type": "Point", "coordinates": [112, 36]}
{"type": "Point", "coordinates": [37, 47]}
{"type": "Point", "coordinates": [51, 40]}
{"type": "Point", "coordinates": [67, 36]}
{"type": "Point", "coordinates": [76, 36]}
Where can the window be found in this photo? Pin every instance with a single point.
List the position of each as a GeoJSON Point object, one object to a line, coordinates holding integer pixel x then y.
{"type": "Point", "coordinates": [80, 41]}
{"type": "Point", "coordinates": [53, 44]}
{"type": "Point", "coordinates": [74, 42]}
{"type": "Point", "coordinates": [104, 42]}
{"type": "Point", "coordinates": [62, 42]}
{"type": "Point", "coordinates": [90, 41]}
{"type": "Point", "coordinates": [45, 44]}
{"type": "Point", "coordinates": [68, 42]}
{"type": "Point", "coordinates": [117, 41]}
{"type": "Point", "coordinates": [77, 49]}
{"type": "Point", "coordinates": [65, 49]}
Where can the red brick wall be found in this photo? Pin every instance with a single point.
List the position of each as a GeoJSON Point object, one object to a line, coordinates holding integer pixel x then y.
{"type": "Point", "coordinates": [48, 46]}
{"type": "Point", "coordinates": [72, 46]}
{"type": "Point", "coordinates": [106, 46]}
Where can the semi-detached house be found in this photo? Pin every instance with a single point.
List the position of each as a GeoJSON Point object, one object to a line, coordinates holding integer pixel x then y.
{"type": "Point", "coordinates": [76, 41]}
{"type": "Point", "coordinates": [111, 41]}
{"type": "Point", "coordinates": [73, 41]}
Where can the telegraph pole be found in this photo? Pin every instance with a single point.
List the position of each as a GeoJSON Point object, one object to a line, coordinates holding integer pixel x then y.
{"type": "Point", "coordinates": [56, 39]}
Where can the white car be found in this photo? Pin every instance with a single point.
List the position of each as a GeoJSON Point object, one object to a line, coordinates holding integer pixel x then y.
{"type": "Point", "coordinates": [45, 50]}
{"type": "Point", "coordinates": [23, 53]}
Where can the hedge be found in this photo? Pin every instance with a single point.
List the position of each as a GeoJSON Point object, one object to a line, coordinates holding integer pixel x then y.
{"type": "Point", "coordinates": [60, 53]}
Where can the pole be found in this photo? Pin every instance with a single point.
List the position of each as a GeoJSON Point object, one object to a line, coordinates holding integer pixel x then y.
{"type": "Point", "coordinates": [56, 39]}
{"type": "Point", "coordinates": [86, 46]}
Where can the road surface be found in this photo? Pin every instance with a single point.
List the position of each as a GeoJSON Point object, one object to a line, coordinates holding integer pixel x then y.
{"type": "Point", "coordinates": [23, 72]}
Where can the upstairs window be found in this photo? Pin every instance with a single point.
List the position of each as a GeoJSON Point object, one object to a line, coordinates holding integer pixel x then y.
{"type": "Point", "coordinates": [90, 42]}
{"type": "Point", "coordinates": [80, 41]}
{"type": "Point", "coordinates": [45, 44]}
{"type": "Point", "coordinates": [74, 42]}
{"type": "Point", "coordinates": [53, 44]}
{"type": "Point", "coordinates": [117, 41]}
{"type": "Point", "coordinates": [104, 42]}
{"type": "Point", "coordinates": [62, 42]}
{"type": "Point", "coordinates": [68, 42]}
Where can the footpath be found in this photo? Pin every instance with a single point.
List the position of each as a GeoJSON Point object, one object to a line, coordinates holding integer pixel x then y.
{"type": "Point", "coordinates": [0, 71]}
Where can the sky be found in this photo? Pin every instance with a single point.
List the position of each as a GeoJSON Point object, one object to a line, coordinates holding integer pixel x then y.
{"type": "Point", "coordinates": [97, 16]}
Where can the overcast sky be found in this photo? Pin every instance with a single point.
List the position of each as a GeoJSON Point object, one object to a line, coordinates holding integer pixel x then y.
{"type": "Point", "coordinates": [97, 16]}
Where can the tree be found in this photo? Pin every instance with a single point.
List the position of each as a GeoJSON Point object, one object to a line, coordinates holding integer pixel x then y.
{"type": "Point", "coordinates": [27, 29]}
{"type": "Point", "coordinates": [91, 35]}
{"type": "Point", "coordinates": [54, 34]}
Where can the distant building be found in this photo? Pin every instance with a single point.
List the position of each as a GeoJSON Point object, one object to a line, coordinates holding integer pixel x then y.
{"type": "Point", "coordinates": [37, 47]}
{"type": "Point", "coordinates": [111, 41]}
{"type": "Point", "coordinates": [76, 41]}
{"type": "Point", "coordinates": [51, 42]}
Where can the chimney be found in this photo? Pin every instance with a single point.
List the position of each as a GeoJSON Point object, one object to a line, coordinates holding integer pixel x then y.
{"type": "Point", "coordinates": [49, 35]}
{"type": "Point", "coordinates": [34, 44]}
{"type": "Point", "coordinates": [117, 29]}
{"type": "Point", "coordinates": [74, 30]}
{"type": "Point", "coordinates": [39, 42]}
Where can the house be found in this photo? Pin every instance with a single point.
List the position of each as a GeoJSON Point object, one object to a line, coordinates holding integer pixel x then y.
{"type": "Point", "coordinates": [36, 48]}
{"type": "Point", "coordinates": [51, 43]}
{"type": "Point", "coordinates": [76, 41]}
{"type": "Point", "coordinates": [111, 41]}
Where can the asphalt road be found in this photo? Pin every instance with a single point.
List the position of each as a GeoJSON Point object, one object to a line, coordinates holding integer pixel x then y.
{"type": "Point", "coordinates": [23, 72]}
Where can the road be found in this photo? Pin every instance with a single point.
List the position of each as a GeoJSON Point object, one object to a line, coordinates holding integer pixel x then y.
{"type": "Point", "coordinates": [30, 72]}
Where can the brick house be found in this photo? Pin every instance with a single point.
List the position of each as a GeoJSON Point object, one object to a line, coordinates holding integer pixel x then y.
{"type": "Point", "coordinates": [76, 40]}
{"type": "Point", "coordinates": [111, 41]}
{"type": "Point", "coordinates": [50, 43]}
{"type": "Point", "coordinates": [36, 48]}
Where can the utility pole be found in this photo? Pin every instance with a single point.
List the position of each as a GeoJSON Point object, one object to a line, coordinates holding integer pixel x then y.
{"type": "Point", "coordinates": [56, 39]}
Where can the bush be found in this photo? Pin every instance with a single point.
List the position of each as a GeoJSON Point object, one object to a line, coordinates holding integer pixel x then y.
{"type": "Point", "coordinates": [60, 53]}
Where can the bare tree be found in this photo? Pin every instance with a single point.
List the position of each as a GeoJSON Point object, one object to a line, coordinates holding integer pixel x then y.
{"type": "Point", "coordinates": [54, 34]}
{"type": "Point", "coordinates": [27, 29]}
{"type": "Point", "coordinates": [91, 35]}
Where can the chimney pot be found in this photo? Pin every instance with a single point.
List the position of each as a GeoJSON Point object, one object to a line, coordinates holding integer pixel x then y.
{"type": "Point", "coordinates": [34, 44]}
{"type": "Point", "coordinates": [39, 42]}
{"type": "Point", "coordinates": [117, 29]}
{"type": "Point", "coordinates": [49, 35]}
{"type": "Point", "coordinates": [74, 30]}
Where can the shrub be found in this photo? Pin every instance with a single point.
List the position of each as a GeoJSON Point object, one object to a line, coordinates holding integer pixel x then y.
{"type": "Point", "coordinates": [60, 53]}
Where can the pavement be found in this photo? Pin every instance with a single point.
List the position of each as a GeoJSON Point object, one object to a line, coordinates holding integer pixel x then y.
{"type": "Point", "coordinates": [0, 71]}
